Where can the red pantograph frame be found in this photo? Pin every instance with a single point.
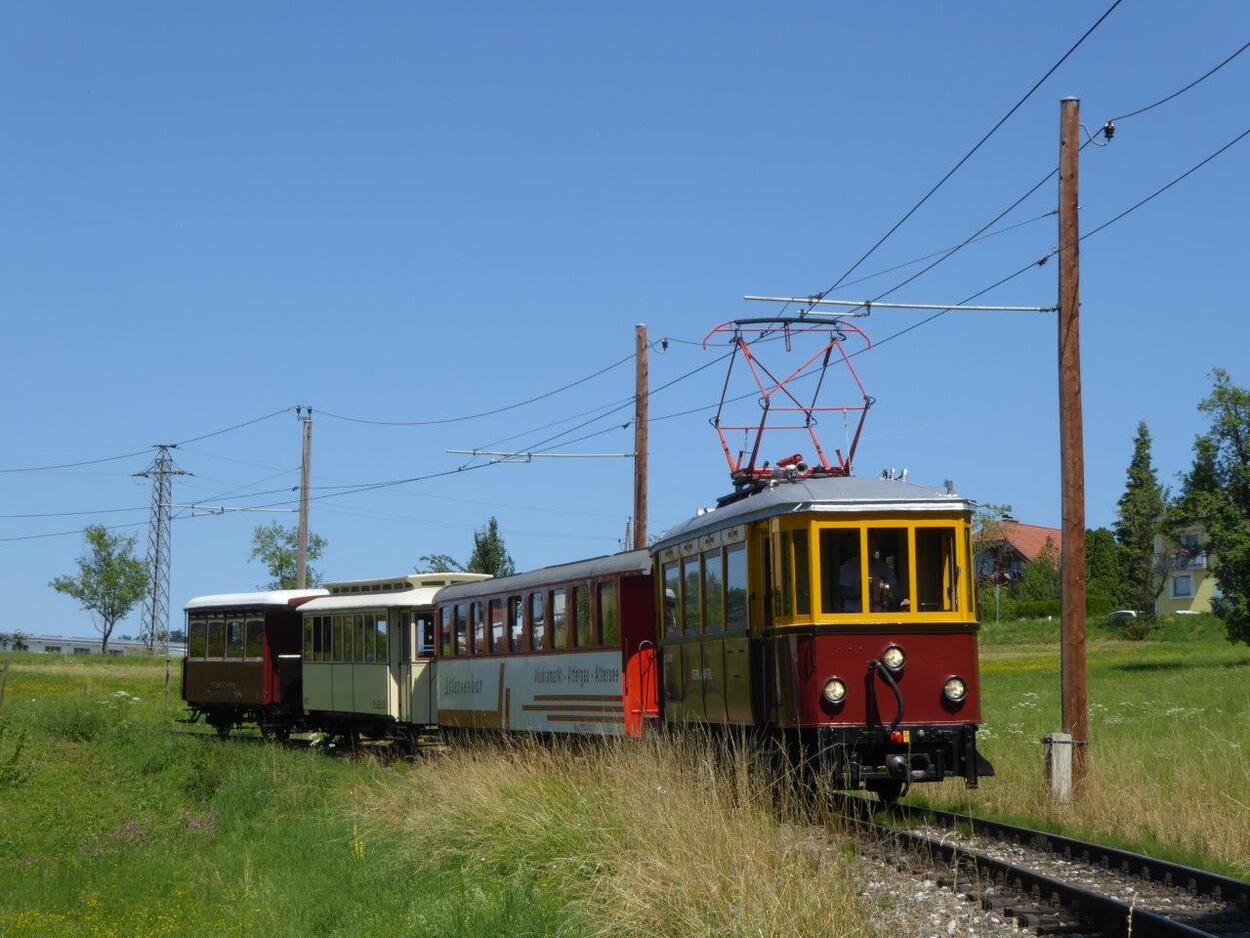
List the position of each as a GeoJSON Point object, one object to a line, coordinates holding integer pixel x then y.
{"type": "Point", "coordinates": [788, 328]}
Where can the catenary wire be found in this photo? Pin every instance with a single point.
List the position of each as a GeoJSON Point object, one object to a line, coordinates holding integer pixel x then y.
{"type": "Point", "coordinates": [1176, 94]}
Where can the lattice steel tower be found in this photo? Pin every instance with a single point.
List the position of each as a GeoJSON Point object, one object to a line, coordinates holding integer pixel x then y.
{"type": "Point", "coordinates": [155, 626]}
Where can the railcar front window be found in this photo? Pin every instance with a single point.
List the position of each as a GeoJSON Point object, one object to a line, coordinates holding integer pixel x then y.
{"type": "Point", "coordinates": [841, 571]}
{"type": "Point", "coordinates": [496, 627]}
{"type": "Point", "coordinates": [538, 622]}
{"type": "Point", "coordinates": [560, 618]}
{"type": "Point", "coordinates": [713, 594]}
{"type": "Point", "coordinates": [736, 587]}
{"type": "Point", "coordinates": [609, 614]}
{"type": "Point", "coordinates": [581, 613]}
{"type": "Point", "coordinates": [197, 638]}
{"type": "Point", "coordinates": [787, 604]}
{"type": "Point", "coordinates": [255, 647]}
{"type": "Point", "coordinates": [937, 575]}
{"type": "Point", "coordinates": [889, 570]}
{"type": "Point", "coordinates": [672, 598]}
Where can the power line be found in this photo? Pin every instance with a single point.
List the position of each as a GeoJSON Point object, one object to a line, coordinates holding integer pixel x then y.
{"type": "Point", "coordinates": [237, 426]}
{"type": "Point", "coordinates": [1176, 94]}
{"type": "Point", "coordinates": [85, 462]}
{"type": "Point", "coordinates": [69, 514]}
{"type": "Point", "coordinates": [485, 413]}
{"type": "Point", "coordinates": [1015, 107]}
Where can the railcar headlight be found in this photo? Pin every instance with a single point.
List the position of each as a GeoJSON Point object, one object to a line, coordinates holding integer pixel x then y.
{"type": "Point", "coordinates": [893, 658]}
{"type": "Point", "coordinates": [955, 689]}
{"type": "Point", "coordinates": [835, 690]}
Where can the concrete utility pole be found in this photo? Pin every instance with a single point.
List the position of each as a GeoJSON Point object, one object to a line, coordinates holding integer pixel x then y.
{"type": "Point", "coordinates": [1071, 442]}
{"type": "Point", "coordinates": [155, 626]}
{"type": "Point", "coordinates": [304, 415]}
{"type": "Point", "coordinates": [640, 436]}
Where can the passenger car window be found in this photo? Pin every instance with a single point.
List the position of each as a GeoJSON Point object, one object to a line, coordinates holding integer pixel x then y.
{"type": "Point", "coordinates": [234, 638]}
{"type": "Point", "coordinates": [255, 646]}
{"type": "Point", "coordinates": [787, 570]}
{"type": "Point", "coordinates": [581, 613]}
{"type": "Point", "coordinates": [462, 629]}
{"type": "Point", "coordinates": [841, 571]}
{"type": "Point", "coordinates": [496, 627]}
{"type": "Point", "coordinates": [339, 629]}
{"type": "Point", "coordinates": [560, 618]}
{"type": "Point", "coordinates": [609, 614]}
{"type": "Point", "coordinates": [381, 638]}
{"type": "Point", "coordinates": [479, 628]}
{"type": "Point", "coordinates": [538, 622]}
{"type": "Point", "coordinates": [516, 623]}
{"type": "Point", "coordinates": [197, 638]}
{"type": "Point", "coordinates": [444, 630]}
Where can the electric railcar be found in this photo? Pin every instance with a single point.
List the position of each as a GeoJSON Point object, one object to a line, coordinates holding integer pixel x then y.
{"type": "Point", "coordinates": [833, 614]}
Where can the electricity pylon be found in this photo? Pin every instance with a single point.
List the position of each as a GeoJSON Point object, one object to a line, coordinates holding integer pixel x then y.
{"type": "Point", "coordinates": [155, 627]}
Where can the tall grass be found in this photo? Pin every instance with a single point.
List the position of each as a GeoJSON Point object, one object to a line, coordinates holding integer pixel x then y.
{"type": "Point", "coordinates": [667, 838]}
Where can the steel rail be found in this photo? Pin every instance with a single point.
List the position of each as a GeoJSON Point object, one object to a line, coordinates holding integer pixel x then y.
{"type": "Point", "coordinates": [1202, 882]}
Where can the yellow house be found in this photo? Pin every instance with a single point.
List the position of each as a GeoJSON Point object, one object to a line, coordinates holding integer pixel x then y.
{"type": "Point", "coordinates": [1190, 584]}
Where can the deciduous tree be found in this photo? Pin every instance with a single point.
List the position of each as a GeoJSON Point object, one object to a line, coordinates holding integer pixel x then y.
{"type": "Point", "coordinates": [490, 554]}
{"type": "Point", "coordinates": [277, 547]}
{"type": "Point", "coordinates": [110, 581]}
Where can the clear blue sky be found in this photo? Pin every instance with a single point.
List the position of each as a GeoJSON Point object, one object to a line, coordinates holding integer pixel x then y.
{"type": "Point", "coordinates": [397, 211]}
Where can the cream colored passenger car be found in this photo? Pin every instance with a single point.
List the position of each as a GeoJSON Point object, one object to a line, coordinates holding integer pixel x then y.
{"type": "Point", "coordinates": [366, 653]}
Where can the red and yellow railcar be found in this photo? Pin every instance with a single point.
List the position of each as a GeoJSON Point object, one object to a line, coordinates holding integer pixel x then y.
{"type": "Point", "coordinates": [835, 613]}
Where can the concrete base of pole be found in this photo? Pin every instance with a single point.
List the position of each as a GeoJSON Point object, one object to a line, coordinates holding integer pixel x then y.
{"type": "Point", "coordinates": [1059, 766]}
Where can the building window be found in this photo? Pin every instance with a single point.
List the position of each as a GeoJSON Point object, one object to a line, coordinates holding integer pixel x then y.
{"type": "Point", "coordinates": [52, 649]}
{"type": "Point", "coordinates": [78, 650]}
{"type": "Point", "coordinates": [115, 651]}
{"type": "Point", "coordinates": [1182, 586]}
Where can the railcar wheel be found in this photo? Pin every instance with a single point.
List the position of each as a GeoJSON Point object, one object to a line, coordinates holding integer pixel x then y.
{"type": "Point", "coordinates": [222, 728]}
{"type": "Point", "coordinates": [887, 791]}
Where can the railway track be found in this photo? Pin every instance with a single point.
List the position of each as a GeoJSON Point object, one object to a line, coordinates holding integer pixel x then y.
{"type": "Point", "coordinates": [1055, 885]}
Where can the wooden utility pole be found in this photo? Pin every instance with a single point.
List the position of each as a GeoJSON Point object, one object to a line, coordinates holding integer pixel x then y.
{"type": "Point", "coordinates": [640, 436]}
{"type": "Point", "coordinates": [1071, 442]}
{"type": "Point", "coordinates": [301, 563]}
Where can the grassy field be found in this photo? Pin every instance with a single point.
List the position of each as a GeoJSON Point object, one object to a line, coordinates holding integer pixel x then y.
{"type": "Point", "coordinates": [116, 822]}
{"type": "Point", "coordinates": [1169, 739]}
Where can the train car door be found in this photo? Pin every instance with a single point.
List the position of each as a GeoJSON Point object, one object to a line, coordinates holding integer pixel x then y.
{"type": "Point", "coordinates": [420, 689]}
{"type": "Point", "coordinates": [406, 637]}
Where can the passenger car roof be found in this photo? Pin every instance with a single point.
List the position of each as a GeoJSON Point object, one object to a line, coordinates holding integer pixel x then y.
{"type": "Point", "coordinates": [264, 598]}
{"type": "Point", "coordinates": [633, 561]}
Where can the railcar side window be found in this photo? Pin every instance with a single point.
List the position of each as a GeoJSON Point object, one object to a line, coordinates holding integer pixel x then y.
{"type": "Point", "coordinates": [496, 627]}
{"type": "Point", "coordinates": [327, 638]}
{"type": "Point", "coordinates": [364, 637]}
{"type": "Point", "coordinates": [560, 618]}
{"type": "Point", "coordinates": [581, 612]}
{"type": "Point", "coordinates": [255, 647]}
{"type": "Point", "coordinates": [692, 613]}
{"type": "Point", "coordinates": [479, 628]}
{"type": "Point", "coordinates": [516, 623]}
{"type": "Point", "coordinates": [609, 614]}
{"type": "Point", "coordinates": [802, 576]}
{"type": "Point", "coordinates": [444, 631]}
{"type": "Point", "coordinates": [462, 629]}
{"type": "Point", "coordinates": [672, 599]}
{"type": "Point", "coordinates": [308, 637]}
{"type": "Point", "coordinates": [787, 569]}
{"type": "Point", "coordinates": [889, 570]}
{"type": "Point", "coordinates": [841, 571]}
{"type": "Point", "coordinates": [736, 587]}
{"type": "Point", "coordinates": [937, 581]}
{"type": "Point", "coordinates": [713, 594]}
{"type": "Point", "coordinates": [425, 636]}
{"type": "Point", "coordinates": [538, 623]}
{"type": "Point", "coordinates": [197, 638]}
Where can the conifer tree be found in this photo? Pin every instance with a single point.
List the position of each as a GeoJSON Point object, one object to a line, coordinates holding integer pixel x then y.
{"type": "Point", "coordinates": [1140, 516]}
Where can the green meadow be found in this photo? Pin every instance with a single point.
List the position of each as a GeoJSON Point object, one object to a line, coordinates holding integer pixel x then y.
{"type": "Point", "coordinates": [1169, 753]}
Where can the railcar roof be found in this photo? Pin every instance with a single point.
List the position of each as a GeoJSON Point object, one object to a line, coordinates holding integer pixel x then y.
{"type": "Point", "coordinates": [838, 494]}
{"type": "Point", "coordinates": [264, 598]}
{"type": "Point", "coordinates": [633, 561]}
{"type": "Point", "coordinates": [420, 596]}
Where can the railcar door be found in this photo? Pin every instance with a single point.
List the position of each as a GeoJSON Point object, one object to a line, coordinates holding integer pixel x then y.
{"type": "Point", "coordinates": [419, 690]}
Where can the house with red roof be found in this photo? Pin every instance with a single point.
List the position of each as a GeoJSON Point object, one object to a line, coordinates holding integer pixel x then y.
{"type": "Point", "coordinates": [1003, 547]}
